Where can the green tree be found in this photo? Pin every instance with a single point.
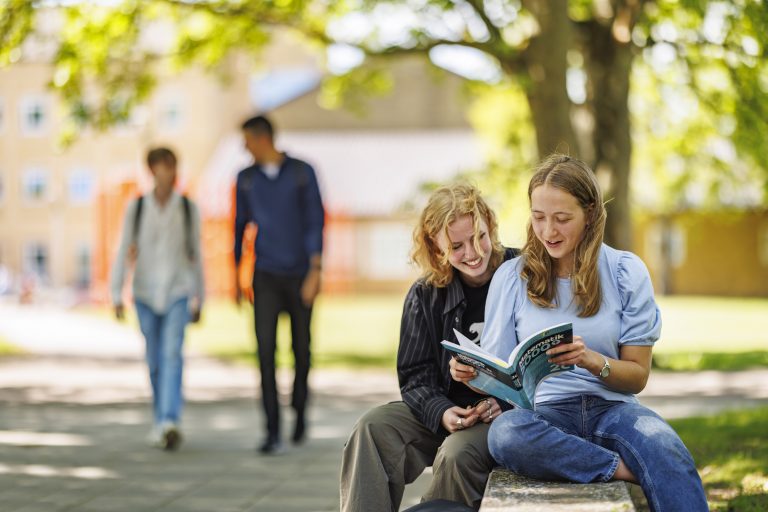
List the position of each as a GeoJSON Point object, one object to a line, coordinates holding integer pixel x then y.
{"type": "Point", "coordinates": [572, 61]}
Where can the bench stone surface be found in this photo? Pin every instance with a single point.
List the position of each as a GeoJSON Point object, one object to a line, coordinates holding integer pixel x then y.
{"type": "Point", "coordinates": [507, 491]}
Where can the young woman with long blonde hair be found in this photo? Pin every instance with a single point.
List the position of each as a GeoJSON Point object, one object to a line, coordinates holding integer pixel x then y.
{"type": "Point", "coordinates": [587, 425]}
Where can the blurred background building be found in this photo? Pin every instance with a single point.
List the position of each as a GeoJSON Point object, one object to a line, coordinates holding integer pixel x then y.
{"type": "Point", "coordinates": [61, 208]}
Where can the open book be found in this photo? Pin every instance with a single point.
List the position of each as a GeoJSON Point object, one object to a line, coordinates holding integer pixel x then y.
{"type": "Point", "coordinates": [514, 381]}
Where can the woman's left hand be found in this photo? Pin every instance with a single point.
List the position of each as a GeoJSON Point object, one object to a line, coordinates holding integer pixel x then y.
{"type": "Point", "coordinates": [487, 409]}
{"type": "Point", "coordinates": [461, 372]}
{"type": "Point", "coordinates": [575, 353]}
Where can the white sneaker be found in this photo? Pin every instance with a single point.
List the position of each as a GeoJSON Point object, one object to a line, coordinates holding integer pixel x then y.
{"type": "Point", "coordinates": [155, 437]}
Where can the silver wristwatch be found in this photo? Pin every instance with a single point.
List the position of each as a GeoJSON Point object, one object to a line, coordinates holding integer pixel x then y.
{"type": "Point", "coordinates": [606, 370]}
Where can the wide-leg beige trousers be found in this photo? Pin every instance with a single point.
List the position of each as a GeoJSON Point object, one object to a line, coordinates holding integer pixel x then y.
{"type": "Point", "coordinates": [389, 448]}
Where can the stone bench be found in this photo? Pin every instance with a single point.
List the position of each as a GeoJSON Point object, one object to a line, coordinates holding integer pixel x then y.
{"type": "Point", "coordinates": [507, 491]}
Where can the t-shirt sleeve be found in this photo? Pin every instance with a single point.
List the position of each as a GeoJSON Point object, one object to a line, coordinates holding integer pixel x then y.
{"type": "Point", "coordinates": [640, 316]}
{"type": "Point", "coordinates": [499, 335]}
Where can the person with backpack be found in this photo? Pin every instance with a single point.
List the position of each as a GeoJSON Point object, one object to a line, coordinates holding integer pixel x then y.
{"type": "Point", "coordinates": [161, 241]}
{"type": "Point", "coordinates": [281, 196]}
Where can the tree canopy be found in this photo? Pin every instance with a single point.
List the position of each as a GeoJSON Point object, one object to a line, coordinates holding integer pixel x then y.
{"type": "Point", "coordinates": [686, 79]}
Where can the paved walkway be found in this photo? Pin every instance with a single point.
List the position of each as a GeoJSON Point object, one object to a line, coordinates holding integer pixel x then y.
{"type": "Point", "coordinates": [73, 418]}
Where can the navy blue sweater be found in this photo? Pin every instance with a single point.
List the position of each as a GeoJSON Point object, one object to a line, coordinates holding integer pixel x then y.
{"type": "Point", "coordinates": [288, 212]}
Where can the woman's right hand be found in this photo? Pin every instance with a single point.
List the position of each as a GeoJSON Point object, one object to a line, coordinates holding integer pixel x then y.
{"type": "Point", "coordinates": [462, 372]}
{"type": "Point", "coordinates": [457, 418]}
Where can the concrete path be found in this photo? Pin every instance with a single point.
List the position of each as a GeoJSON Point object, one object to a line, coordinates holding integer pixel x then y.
{"type": "Point", "coordinates": [73, 419]}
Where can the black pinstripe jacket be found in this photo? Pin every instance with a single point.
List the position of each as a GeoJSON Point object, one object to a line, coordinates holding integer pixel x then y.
{"type": "Point", "coordinates": [429, 316]}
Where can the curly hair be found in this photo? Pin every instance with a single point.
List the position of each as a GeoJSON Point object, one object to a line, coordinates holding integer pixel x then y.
{"type": "Point", "coordinates": [444, 207]}
{"type": "Point", "coordinates": [576, 178]}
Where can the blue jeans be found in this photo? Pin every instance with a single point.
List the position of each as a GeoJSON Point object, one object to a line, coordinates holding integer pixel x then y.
{"type": "Point", "coordinates": [582, 438]}
{"type": "Point", "coordinates": [164, 335]}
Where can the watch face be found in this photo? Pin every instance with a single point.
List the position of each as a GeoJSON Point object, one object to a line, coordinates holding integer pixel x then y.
{"type": "Point", "coordinates": [605, 371]}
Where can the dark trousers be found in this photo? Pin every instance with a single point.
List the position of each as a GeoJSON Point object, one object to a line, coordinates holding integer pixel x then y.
{"type": "Point", "coordinates": [273, 294]}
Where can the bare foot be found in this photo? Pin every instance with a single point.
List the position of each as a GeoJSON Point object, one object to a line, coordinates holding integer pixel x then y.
{"type": "Point", "coordinates": [623, 473]}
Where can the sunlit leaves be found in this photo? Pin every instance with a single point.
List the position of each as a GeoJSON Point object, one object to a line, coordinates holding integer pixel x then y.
{"type": "Point", "coordinates": [352, 89]}
{"type": "Point", "coordinates": [713, 54]}
{"type": "Point", "coordinates": [16, 17]}
{"type": "Point", "coordinates": [699, 95]}
{"type": "Point", "coordinates": [100, 68]}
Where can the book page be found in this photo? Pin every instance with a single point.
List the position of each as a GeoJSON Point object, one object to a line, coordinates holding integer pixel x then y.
{"type": "Point", "coordinates": [470, 346]}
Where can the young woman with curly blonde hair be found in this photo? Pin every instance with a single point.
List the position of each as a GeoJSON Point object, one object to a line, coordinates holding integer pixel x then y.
{"type": "Point", "coordinates": [438, 423]}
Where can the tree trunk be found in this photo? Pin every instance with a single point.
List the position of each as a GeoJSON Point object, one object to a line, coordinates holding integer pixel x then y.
{"type": "Point", "coordinates": [546, 65]}
{"type": "Point", "coordinates": [609, 63]}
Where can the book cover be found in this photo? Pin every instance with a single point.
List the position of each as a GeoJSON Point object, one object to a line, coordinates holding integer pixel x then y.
{"type": "Point", "coordinates": [515, 380]}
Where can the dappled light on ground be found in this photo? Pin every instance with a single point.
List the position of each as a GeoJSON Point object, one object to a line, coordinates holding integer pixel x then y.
{"type": "Point", "coordinates": [42, 470]}
{"type": "Point", "coordinates": [22, 438]}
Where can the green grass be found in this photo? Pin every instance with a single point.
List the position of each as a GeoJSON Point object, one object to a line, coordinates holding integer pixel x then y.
{"type": "Point", "coordinates": [731, 452]}
{"type": "Point", "coordinates": [712, 333]}
{"type": "Point", "coordinates": [699, 333]}
{"type": "Point", "coordinates": [354, 331]}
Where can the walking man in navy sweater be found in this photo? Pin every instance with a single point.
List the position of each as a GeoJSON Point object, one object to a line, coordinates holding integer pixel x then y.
{"type": "Point", "coordinates": [281, 196]}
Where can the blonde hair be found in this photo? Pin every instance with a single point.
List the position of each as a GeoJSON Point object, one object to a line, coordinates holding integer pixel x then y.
{"type": "Point", "coordinates": [444, 207]}
{"type": "Point", "coordinates": [576, 178]}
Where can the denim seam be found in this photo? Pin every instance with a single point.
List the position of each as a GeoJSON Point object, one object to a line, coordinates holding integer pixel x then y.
{"type": "Point", "coordinates": [648, 481]}
{"type": "Point", "coordinates": [614, 467]}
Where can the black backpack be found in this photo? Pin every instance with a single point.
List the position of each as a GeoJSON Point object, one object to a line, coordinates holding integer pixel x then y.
{"type": "Point", "coordinates": [187, 224]}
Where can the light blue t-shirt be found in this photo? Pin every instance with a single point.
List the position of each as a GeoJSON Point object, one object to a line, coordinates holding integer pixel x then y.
{"type": "Point", "coordinates": [628, 316]}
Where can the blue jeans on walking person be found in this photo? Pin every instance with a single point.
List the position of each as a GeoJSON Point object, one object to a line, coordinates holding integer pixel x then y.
{"type": "Point", "coordinates": [164, 334]}
{"type": "Point", "coordinates": [581, 439]}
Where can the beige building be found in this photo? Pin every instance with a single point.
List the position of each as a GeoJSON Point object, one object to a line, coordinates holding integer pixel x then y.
{"type": "Point", "coordinates": [706, 252]}
{"type": "Point", "coordinates": [60, 208]}
{"type": "Point", "coordinates": [48, 193]}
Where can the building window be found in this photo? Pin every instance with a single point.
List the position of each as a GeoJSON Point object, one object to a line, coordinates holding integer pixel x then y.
{"type": "Point", "coordinates": [83, 267]}
{"type": "Point", "coordinates": [36, 261]}
{"type": "Point", "coordinates": [81, 187]}
{"type": "Point", "coordinates": [171, 115]}
{"type": "Point", "coordinates": [35, 185]}
{"type": "Point", "coordinates": [6, 279]}
{"type": "Point", "coordinates": [34, 115]}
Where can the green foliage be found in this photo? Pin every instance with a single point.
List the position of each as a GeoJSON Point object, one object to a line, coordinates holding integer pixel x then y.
{"type": "Point", "coordinates": [352, 89]}
{"type": "Point", "coordinates": [699, 97]}
{"type": "Point", "coordinates": [100, 69]}
{"type": "Point", "coordinates": [731, 453]}
{"type": "Point", "coordinates": [16, 18]}
{"type": "Point", "coordinates": [700, 103]}
{"type": "Point", "coordinates": [501, 117]}
{"type": "Point", "coordinates": [7, 349]}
